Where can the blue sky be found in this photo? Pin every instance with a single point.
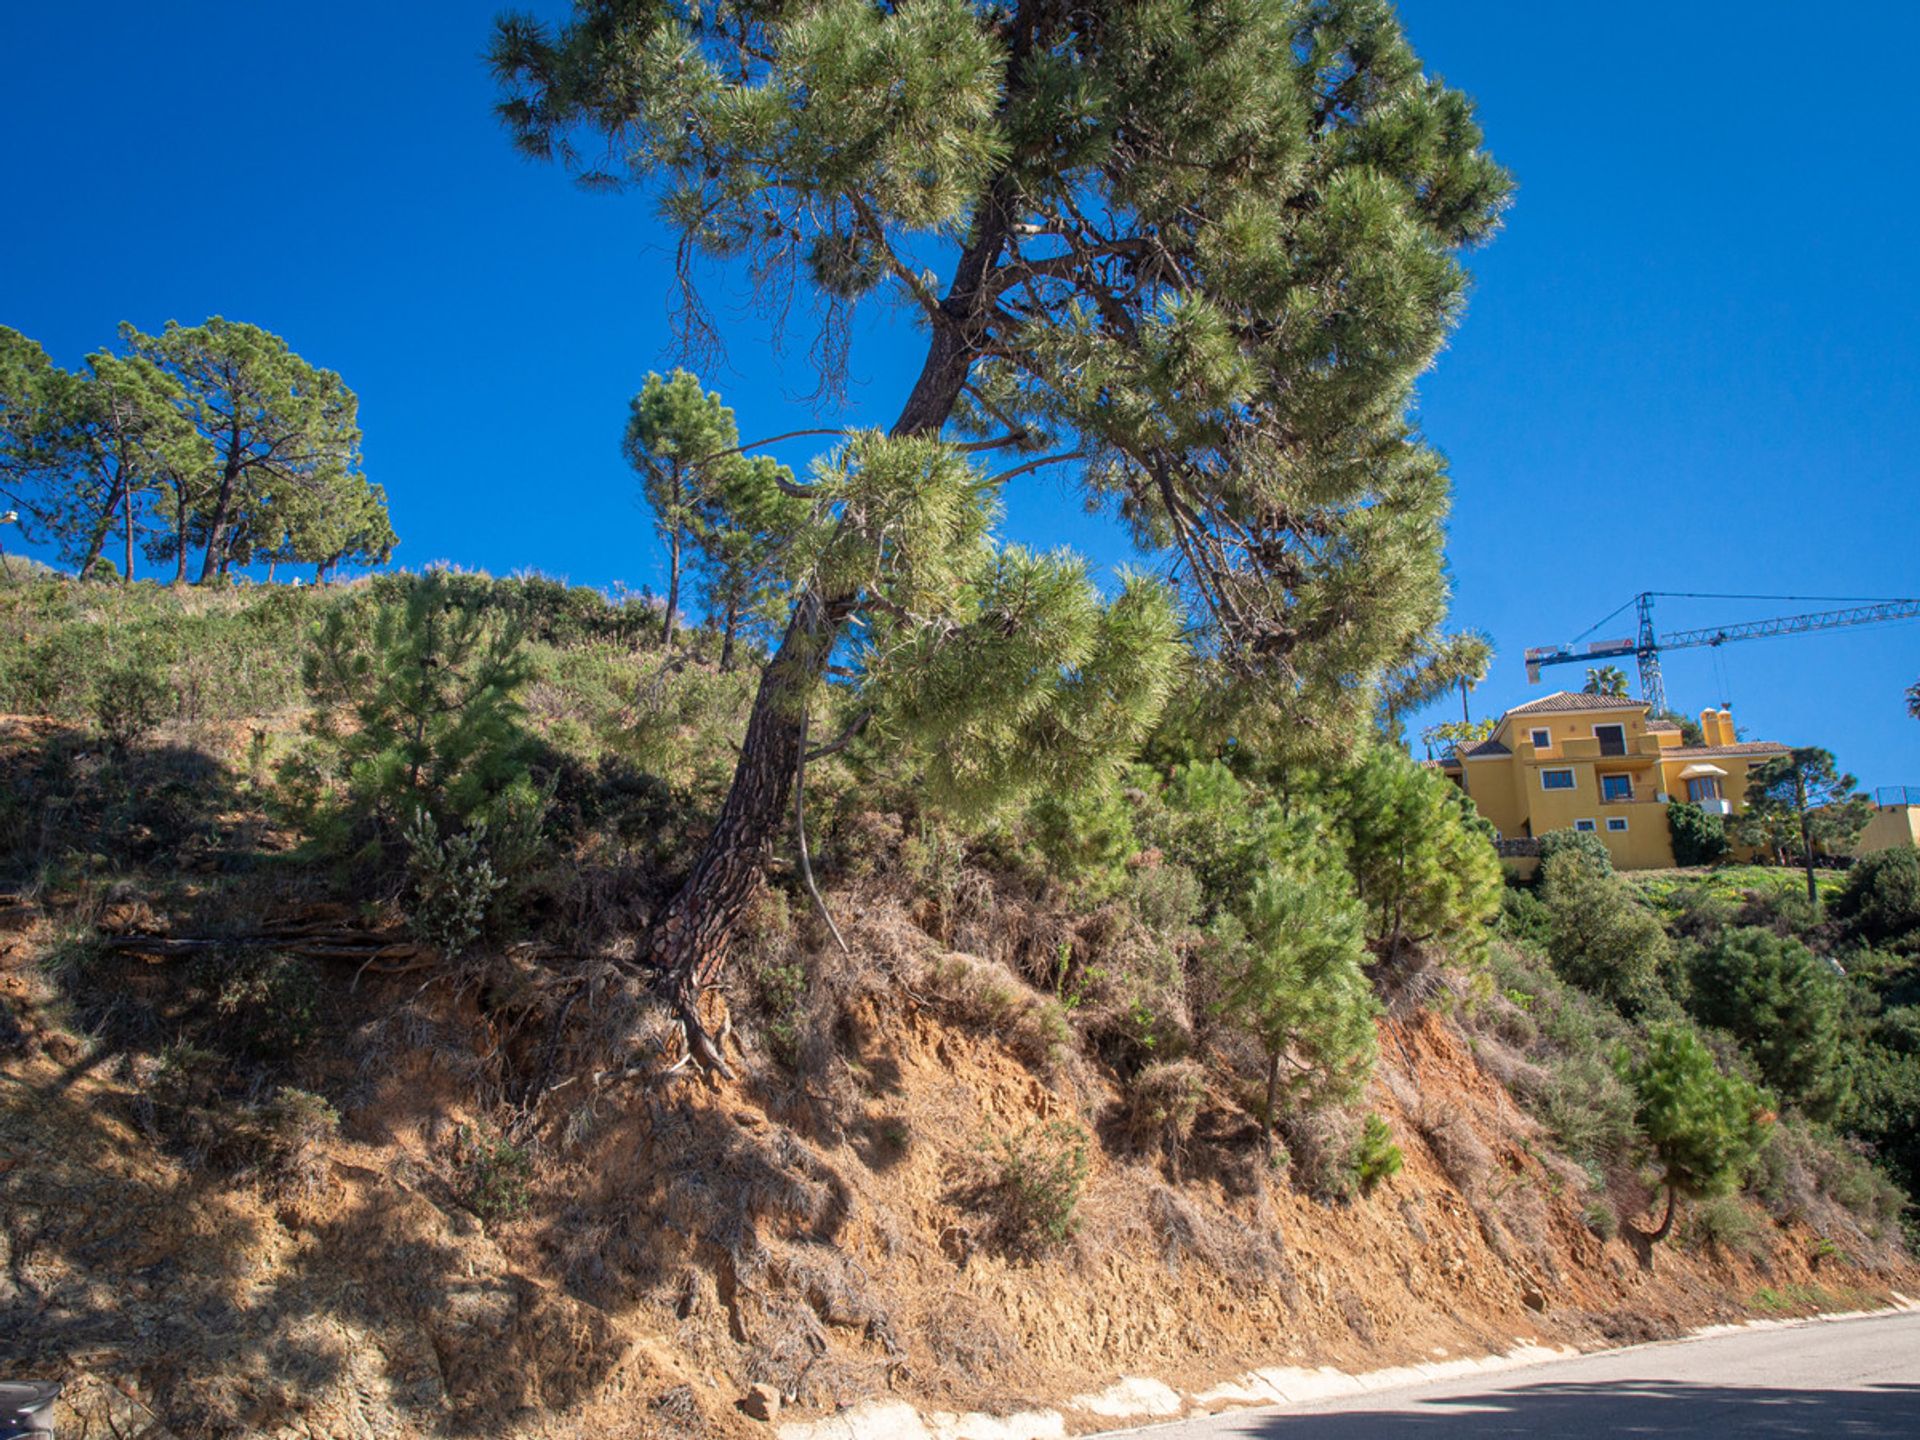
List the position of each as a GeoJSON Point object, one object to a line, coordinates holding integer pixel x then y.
{"type": "Point", "coordinates": [1691, 361]}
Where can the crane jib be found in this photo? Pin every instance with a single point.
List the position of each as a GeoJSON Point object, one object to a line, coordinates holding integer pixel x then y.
{"type": "Point", "coordinates": [1646, 647]}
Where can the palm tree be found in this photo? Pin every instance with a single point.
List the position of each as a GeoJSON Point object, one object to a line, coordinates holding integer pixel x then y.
{"type": "Point", "coordinates": [1606, 680]}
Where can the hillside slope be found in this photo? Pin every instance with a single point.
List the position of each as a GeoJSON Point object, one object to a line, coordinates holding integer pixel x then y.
{"type": "Point", "coordinates": [676, 1242]}
{"type": "Point", "coordinates": [272, 1163]}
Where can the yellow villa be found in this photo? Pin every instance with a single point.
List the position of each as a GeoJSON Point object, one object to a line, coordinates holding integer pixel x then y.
{"type": "Point", "coordinates": [1596, 762]}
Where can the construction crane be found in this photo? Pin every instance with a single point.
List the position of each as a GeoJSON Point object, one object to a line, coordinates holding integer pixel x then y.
{"type": "Point", "coordinates": [1645, 647]}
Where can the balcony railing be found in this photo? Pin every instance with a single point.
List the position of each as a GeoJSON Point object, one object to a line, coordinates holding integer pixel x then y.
{"type": "Point", "coordinates": [1891, 795]}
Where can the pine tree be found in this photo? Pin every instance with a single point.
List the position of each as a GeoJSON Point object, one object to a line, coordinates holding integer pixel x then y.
{"type": "Point", "coordinates": [83, 453]}
{"type": "Point", "coordinates": [1200, 249]}
{"type": "Point", "coordinates": [1422, 859]}
{"type": "Point", "coordinates": [724, 513]}
{"type": "Point", "coordinates": [679, 437]}
{"type": "Point", "coordinates": [1289, 954]}
{"type": "Point", "coordinates": [1706, 1127]}
{"type": "Point", "coordinates": [1802, 796]}
{"type": "Point", "coordinates": [418, 713]}
{"type": "Point", "coordinates": [270, 423]}
{"type": "Point", "coordinates": [743, 524]}
{"type": "Point", "coordinates": [1601, 937]}
{"type": "Point", "coordinates": [1785, 1005]}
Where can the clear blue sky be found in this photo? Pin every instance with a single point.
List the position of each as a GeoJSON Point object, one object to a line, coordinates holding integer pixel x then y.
{"type": "Point", "coordinates": [1691, 361]}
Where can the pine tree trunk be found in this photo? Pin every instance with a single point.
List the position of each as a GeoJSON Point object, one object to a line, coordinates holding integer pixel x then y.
{"type": "Point", "coordinates": [213, 564]}
{"type": "Point", "coordinates": [98, 540]}
{"type": "Point", "coordinates": [180, 508]}
{"type": "Point", "coordinates": [1273, 1103]}
{"type": "Point", "coordinates": [691, 937]}
{"type": "Point", "coordinates": [726, 638]}
{"type": "Point", "coordinates": [690, 940]}
{"type": "Point", "coordinates": [1666, 1221]}
{"type": "Point", "coordinates": [126, 576]}
{"type": "Point", "coordinates": [673, 587]}
{"type": "Point", "coordinates": [1806, 849]}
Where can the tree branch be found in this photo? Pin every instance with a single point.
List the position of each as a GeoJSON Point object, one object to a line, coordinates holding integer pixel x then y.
{"type": "Point", "coordinates": [800, 835]}
{"type": "Point", "coordinates": [847, 737]}
{"type": "Point", "coordinates": [1044, 460]}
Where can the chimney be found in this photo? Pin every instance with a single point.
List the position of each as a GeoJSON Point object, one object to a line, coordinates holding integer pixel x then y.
{"type": "Point", "coordinates": [1716, 726]}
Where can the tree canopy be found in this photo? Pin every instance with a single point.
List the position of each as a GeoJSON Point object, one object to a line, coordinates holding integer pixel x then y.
{"type": "Point", "coordinates": [83, 452]}
{"type": "Point", "coordinates": [1802, 797]}
{"type": "Point", "coordinates": [731, 510]}
{"type": "Point", "coordinates": [1786, 1005]}
{"type": "Point", "coordinates": [214, 436]}
{"type": "Point", "coordinates": [1705, 1126]}
{"type": "Point", "coordinates": [1200, 250]}
{"type": "Point", "coordinates": [1605, 680]}
{"type": "Point", "coordinates": [276, 430]}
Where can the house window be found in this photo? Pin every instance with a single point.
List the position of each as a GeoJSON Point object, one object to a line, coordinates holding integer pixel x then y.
{"type": "Point", "coordinates": [1616, 823]}
{"type": "Point", "coordinates": [1585, 826]}
{"type": "Point", "coordinates": [1616, 787]}
{"type": "Point", "coordinates": [1706, 787]}
{"type": "Point", "coordinates": [1612, 738]}
{"type": "Point", "coordinates": [1556, 779]}
{"type": "Point", "coordinates": [1542, 739]}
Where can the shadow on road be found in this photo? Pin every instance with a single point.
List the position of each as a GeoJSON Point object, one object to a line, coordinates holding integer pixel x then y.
{"type": "Point", "coordinates": [1634, 1407]}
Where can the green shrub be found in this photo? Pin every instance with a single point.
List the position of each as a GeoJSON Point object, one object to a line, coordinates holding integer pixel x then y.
{"type": "Point", "coordinates": [1375, 1156]}
{"type": "Point", "coordinates": [268, 1004]}
{"type": "Point", "coordinates": [129, 702]}
{"type": "Point", "coordinates": [1571, 1087]}
{"type": "Point", "coordinates": [1879, 904]}
{"type": "Point", "coordinates": [1698, 838]}
{"type": "Point", "coordinates": [1583, 843]}
{"type": "Point", "coordinates": [1165, 896]}
{"type": "Point", "coordinates": [495, 1175]}
{"type": "Point", "coordinates": [1785, 1005]}
{"type": "Point", "coordinates": [1723, 1224]}
{"type": "Point", "coordinates": [453, 885]}
{"type": "Point", "coordinates": [1587, 1106]}
{"type": "Point", "coordinates": [1204, 818]}
{"type": "Point", "coordinates": [418, 711]}
{"type": "Point", "coordinates": [1085, 837]}
{"type": "Point", "coordinates": [1602, 938]}
{"type": "Point", "coordinates": [1040, 1174]}
{"type": "Point", "coordinates": [1601, 1218]}
{"type": "Point", "coordinates": [1524, 918]}
{"type": "Point", "coordinates": [776, 976]}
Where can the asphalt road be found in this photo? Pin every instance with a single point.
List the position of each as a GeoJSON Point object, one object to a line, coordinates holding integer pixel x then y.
{"type": "Point", "coordinates": [1837, 1380]}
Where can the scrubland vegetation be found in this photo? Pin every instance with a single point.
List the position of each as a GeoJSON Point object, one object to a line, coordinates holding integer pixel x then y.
{"type": "Point", "coordinates": [496, 779]}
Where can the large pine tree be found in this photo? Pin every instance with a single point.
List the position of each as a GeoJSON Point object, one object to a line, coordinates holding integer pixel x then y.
{"type": "Point", "coordinates": [1198, 249]}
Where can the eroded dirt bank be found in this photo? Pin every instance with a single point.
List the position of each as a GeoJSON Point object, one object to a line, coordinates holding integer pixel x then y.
{"type": "Point", "coordinates": [671, 1244]}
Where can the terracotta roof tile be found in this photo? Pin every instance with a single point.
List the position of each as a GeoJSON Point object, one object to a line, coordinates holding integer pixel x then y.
{"type": "Point", "coordinates": [1568, 700]}
{"type": "Point", "coordinates": [1707, 752]}
{"type": "Point", "coordinates": [1483, 749]}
